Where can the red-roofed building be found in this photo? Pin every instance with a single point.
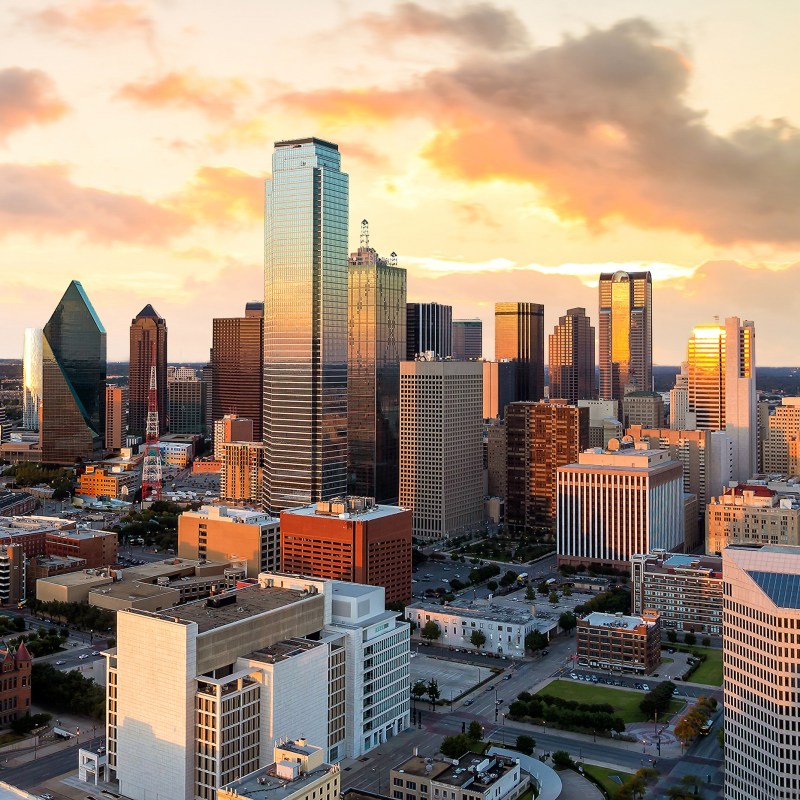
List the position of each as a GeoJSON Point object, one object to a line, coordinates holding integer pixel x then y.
{"type": "Point", "coordinates": [15, 683]}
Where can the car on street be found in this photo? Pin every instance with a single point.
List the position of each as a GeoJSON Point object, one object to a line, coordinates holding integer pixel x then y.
{"type": "Point", "coordinates": [573, 676]}
{"type": "Point", "coordinates": [545, 652]}
{"type": "Point", "coordinates": [637, 686]}
{"type": "Point", "coordinates": [498, 701]}
{"type": "Point", "coordinates": [95, 652]}
{"type": "Point", "coordinates": [468, 702]}
{"type": "Point", "coordinates": [60, 663]}
{"type": "Point", "coordinates": [46, 796]}
{"type": "Point", "coordinates": [506, 677]}
{"type": "Point", "coordinates": [83, 656]}
{"type": "Point", "coordinates": [675, 692]}
{"type": "Point", "coordinates": [645, 687]}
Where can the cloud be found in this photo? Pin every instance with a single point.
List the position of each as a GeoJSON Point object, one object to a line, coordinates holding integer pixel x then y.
{"type": "Point", "coordinates": [599, 125]}
{"type": "Point", "coordinates": [217, 98]}
{"type": "Point", "coordinates": [478, 24]}
{"type": "Point", "coordinates": [27, 97]}
{"type": "Point", "coordinates": [221, 197]}
{"type": "Point", "coordinates": [93, 17]}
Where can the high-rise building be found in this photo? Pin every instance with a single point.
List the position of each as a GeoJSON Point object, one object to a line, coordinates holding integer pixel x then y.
{"type": "Point", "coordinates": [761, 617]}
{"type": "Point", "coordinates": [241, 473]}
{"type": "Point", "coordinates": [148, 331]}
{"type": "Point", "coordinates": [207, 376]}
{"type": "Point", "coordinates": [441, 459]}
{"type": "Point", "coordinates": [626, 333]}
{"type": "Point", "coordinates": [540, 438]}
{"type": "Point", "coordinates": [467, 339]}
{"type": "Point", "coordinates": [232, 428]}
{"type": "Point", "coordinates": [237, 366]}
{"type": "Point", "coordinates": [350, 539]}
{"type": "Point", "coordinates": [604, 423]}
{"type": "Point", "coordinates": [519, 337]}
{"type": "Point", "coordinates": [618, 502]}
{"type": "Point", "coordinates": [499, 387]}
{"type": "Point", "coordinates": [305, 326]}
{"type": "Point", "coordinates": [429, 329]}
{"type": "Point", "coordinates": [496, 459]}
{"type": "Point", "coordinates": [73, 381]}
{"type": "Point", "coordinates": [186, 399]}
{"type": "Point", "coordinates": [679, 400]}
{"type": "Point", "coordinates": [5, 426]}
{"type": "Point", "coordinates": [722, 388]}
{"type": "Point", "coordinates": [376, 345]}
{"type": "Point", "coordinates": [31, 379]}
{"type": "Point", "coordinates": [116, 416]}
{"type": "Point", "coordinates": [643, 408]}
{"type": "Point", "coordinates": [571, 363]}
{"type": "Point", "coordinates": [782, 427]}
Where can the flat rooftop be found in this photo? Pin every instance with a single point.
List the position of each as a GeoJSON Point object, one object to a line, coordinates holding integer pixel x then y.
{"type": "Point", "coordinates": [133, 590]}
{"type": "Point", "coordinates": [82, 578]}
{"type": "Point", "coordinates": [282, 651]}
{"type": "Point", "coordinates": [379, 511]}
{"type": "Point", "coordinates": [600, 620]}
{"type": "Point", "coordinates": [231, 514]}
{"type": "Point", "coordinates": [265, 783]}
{"type": "Point", "coordinates": [170, 567]}
{"type": "Point", "coordinates": [494, 613]}
{"type": "Point", "coordinates": [473, 771]}
{"type": "Point", "coordinates": [83, 534]}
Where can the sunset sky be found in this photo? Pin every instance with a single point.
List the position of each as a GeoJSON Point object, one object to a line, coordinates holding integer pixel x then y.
{"type": "Point", "coordinates": [507, 151]}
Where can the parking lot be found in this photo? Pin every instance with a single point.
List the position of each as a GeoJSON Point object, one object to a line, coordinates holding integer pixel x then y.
{"type": "Point", "coordinates": [454, 678]}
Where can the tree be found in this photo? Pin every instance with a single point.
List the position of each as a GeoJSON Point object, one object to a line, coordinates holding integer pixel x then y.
{"type": "Point", "coordinates": [433, 691]}
{"type": "Point", "coordinates": [430, 631]}
{"type": "Point", "coordinates": [706, 641]}
{"type": "Point", "coordinates": [492, 586]}
{"type": "Point", "coordinates": [508, 578]}
{"type": "Point", "coordinates": [475, 731]}
{"type": "Point", "coordinates": [672, 635]}
{"type": "Point", "coordinates": [536, 640]}
{"type": "Point", "coordinates": [553, 597]}
{"type": "Point", "coordinates": [456, 746]}
{"type": "Point", "coordinates": [530, 593]}
{"type": "Point", "coordinates": [543, 587]}
{"type": "Point", "coordinates": [419, 690]}
{"type": "Point", "coordinates": [567, 591]}
{"type": "Point", "coordinates": [526, 745]}
{"type": "Point", "coordinates": [690, 639]}
{"type": "Point", "coordinates": [562, 759]}
{"type": "Point", "coordinates": [567, 621]}
{"type": "Point", "coordinates": [478, 639]}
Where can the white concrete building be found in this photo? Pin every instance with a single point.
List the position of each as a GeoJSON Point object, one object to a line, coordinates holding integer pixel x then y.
{"type": "Point", "coordinates": [197, 694]}
{"type": "Point", "coordinates": [604, 422]}
{"type": "Point", "coordinates": [761, 625]}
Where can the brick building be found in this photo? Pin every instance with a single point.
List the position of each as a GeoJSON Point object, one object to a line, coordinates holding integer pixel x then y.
{"type": "Point", "coordinates": [15, 683]}
{"type": "Point", "coordinates": [104, 482]}
{"type": "Point", "coordinates": [617, 641]}
{"type": "Point", "coordinates": [97, 548]}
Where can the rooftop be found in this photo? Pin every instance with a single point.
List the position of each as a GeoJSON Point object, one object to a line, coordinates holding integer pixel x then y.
{"type": "Point", "coordinates": [266, 783]}
{"type": "Point", "coordinates": [598, 619]}
{"type": "Point", "coordinates": [231, 514]}
{"type": "Point", "coordinates": [664, 562]}
{"type": "Point", "coordinates": [281, 651]}
{"type": "Point", "coordinates": [494, 613]}
{"type": "Point", "coordinates": [476, 771]}
{"type": "Point", "coordinates": [369, 512]}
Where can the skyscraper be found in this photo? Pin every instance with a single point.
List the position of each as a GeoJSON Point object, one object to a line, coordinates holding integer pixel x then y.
{"type": "Point", "coordinates": [305, 325]}
{"type": "Point", "coordinates": [148, 329]}
{"type": "Point", "coordinates": [73, 381]}
{"type": "Point", "coordinates": [32, 378]}
{"type": "Point", "coordinates": [467, 339]}
{"type": "Point", "coordinates": [429, 327]}
{"type": "Point", "coordinates": [721, 378]}
{"type": "Point", "coordinates": [571, 360]}
{"type": "Point", "coordinates": [376, 346]}
{"type": "Point", "coordinates": [626, 333]}
{"type": "Point", "coordinates": [116, 416]}
{"type": "Point", "coordinates": [237, 366]}
{"type": "Point", "coordinates": [519, 336]}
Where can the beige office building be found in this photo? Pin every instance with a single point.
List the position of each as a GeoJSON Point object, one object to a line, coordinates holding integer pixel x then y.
{"type": "Point", "coordinates": [643, 408]}
{"type": "Point", "coordinates": [240, 474]}
{"type": "Point", "coordinates": [604, 424]}
{"type": "Point", "coordinates": [783, 430]}
{"type": "Point", "coordinates": [231, 428]}
{"type": "Point", "coordinates": [441, 461]}
{"type": "Point", "coordinates": [116, 417]}
{"type": "Point", "coordinates": [751, 514]}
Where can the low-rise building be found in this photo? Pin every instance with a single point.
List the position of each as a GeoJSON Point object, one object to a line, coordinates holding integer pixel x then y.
{"type": "Point", "coordinates": [97, 548]}
{"type": "Point", "coordinates": [620, 642]}
{"type": "Point", "coordinates": [48, 566]}
{"type": "Point", "coordinates": [470, 777]}
{"type": "Point", "coordinates": [104, 482]}
{"type": "Point", "coordinates": [175, 454]}
{"type": "Point", "coordinates": [686, 590]}
{"type": "Point", "coordinates": [14, 503]}
{"type": "Point", "coordinates": [504, 627]}
{"type": "Point", "coordinates": [15, 683]}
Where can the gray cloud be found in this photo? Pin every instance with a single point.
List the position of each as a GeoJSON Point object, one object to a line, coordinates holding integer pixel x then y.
{"type": "Point", "coordinates": [27, 97]}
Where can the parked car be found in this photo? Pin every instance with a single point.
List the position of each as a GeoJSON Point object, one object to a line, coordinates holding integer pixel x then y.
{"type": "Point", "coordinates": [468, 702]}
{"type": "Point", "coordinates": [60, 663]}
{"type": "Point", "coordinates": [645, 687]}
{"type": "Point", "coordinates": [573, 676]}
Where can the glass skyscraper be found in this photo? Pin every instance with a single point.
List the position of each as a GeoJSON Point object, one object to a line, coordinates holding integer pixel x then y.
{"type": "Point", "coordinates": [305, 325]}
{"type": "Point", "coordinates": [32, 378]}
{"type": "Point", "coordinates": [429, 327]}
{"type": "Point", "coordinates": [376, 346]}
{"type": "Point", "coordinates": [519, 337]}
{"type": "Point", "coordinates": [148, 331]}
{"type": "Point", "coordinates": [571, 360]}
{"type": "Point", "coordinates": [73, 381]}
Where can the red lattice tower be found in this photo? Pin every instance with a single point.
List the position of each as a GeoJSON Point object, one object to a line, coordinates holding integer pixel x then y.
{"type": "Point", "coordinates": [151, 468]}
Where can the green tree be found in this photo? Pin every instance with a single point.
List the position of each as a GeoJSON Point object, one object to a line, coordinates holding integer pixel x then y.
{"type": "Point", "coordinates": [567, 591]}
{"type": "Point", "coordinates": [562, 759]}
{"type": "Point", "coordinates": [706, 641]}
{"type": "Point", "coordinates": [492, 586]}
{"type": "Point", "coordinates": [430, 631]}
{"type": "Point", "coordinates": [456, 746]}
{"type": "Point", "coordinates": [419, 690]}
{"type": "Point", "coordinates": [475, 731]}
{"type": "Point", "coordinates": [530, 593]}
{"type": "Point", "coordinates": [672, 635]}
{"type": "Point", "coordinates": [567, 621]}
{"type": "Point", "coordinates": [536, 640]}
{"type": "Point", "coordinates": [553, 597]}
{"type": "Point", "coordinates": [508, 578]}
{"type": "Point", "coordinates": [690, 639]}
{"type": "Point", "coordinates": [478, 639]}
{"type": "Point", "coordinates": [543, 587]}
{"type": "Point", "coordinates": [433, 691]}
{"type": "Point", "coordinates": [526, 744]}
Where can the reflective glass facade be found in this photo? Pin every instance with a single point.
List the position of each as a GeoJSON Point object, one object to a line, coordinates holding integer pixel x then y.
{"type": "Point", "coordinates": [147, 329]}
{"type": "Point", "coordinates": [376, 346]}
{"type": "Point", "coordinates": [467, 339]}
{"type": "Point", "coordinates": [429, 327]}
{"type": "Point", "coordinates": [305, 325]}
{"type": "Point", "coordinates": [73, 380]}
{"type": "Point", "coordinates": [519, 337]}
{"type": "Point", "coordinates": [31, 378]}
{"type": "Point", "coordinates": [571, 360]}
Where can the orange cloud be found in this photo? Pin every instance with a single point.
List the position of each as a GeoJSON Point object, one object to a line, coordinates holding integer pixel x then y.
{"type": "Point", "coordinates": [221, 197]}
{"type": "Point", "coordinates": [27, 97]}
{"type": "Point", "coordinates": [600, 126]}
{"type": "Point", "coordinates": [215, 97]}
{"type": "Point", "coordinates": [93, 16]}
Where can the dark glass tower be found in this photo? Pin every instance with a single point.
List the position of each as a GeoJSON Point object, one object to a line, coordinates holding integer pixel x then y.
{"type": "Point", "coordinates": [429, 326]}
{"type": "Point", "coordinates": [571, 360]}
{"type": "Point", "coordinates": [467, 339]}
{"type": "Point", "coordinates": [148, 328]}
{"type": "Point", "coordinates": [73, 381]}
{"type": "Point", "coordinates": [519, 336]}
{"type": "Point", "coordinates": [376, 346]}
{"type": "Point", "coordinates": [305, 325]}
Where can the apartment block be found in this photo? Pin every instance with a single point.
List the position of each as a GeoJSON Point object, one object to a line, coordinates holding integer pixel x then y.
{"type": "Point", "coordinates": [116, 417]}
{"type": "Point", "coordinates": [686, 590]}
{"type": "Point", "coordinates": [221, 533]}
{"type": "Point", "coordinates": [13, 574]}
{"type": "Point", "coordinates": [231, 428]}
{"type": "Point", "coordinates": [751, 514]}
{"type": "Point", "coordinates": [241, 472]}
{"type": "Point", "coordinates": [782, 428]}
{"type": "Point", "coordinates": [350, 539]}
{"type": "Point", "coordinates": [620, 642]}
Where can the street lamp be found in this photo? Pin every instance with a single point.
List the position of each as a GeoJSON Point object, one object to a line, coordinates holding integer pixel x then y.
{"type": "Point", "coordinates": [544, 726]}
{"type": "Point", "coordinates": [495, 704]}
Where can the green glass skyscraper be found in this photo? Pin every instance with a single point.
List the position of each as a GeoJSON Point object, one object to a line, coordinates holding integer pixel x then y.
{"type": "Point", "coordinates": [305, 325]}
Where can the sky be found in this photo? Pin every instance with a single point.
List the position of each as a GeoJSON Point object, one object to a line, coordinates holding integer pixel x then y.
{"type": "Point", "coordinates": [505, 151]}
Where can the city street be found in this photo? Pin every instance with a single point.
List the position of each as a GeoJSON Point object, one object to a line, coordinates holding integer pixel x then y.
{"type": "Point", "coordinates": [36, 772]}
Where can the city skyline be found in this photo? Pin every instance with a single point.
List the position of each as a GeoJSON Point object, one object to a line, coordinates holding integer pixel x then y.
{"type": "Point", "coordinates": [175, 222]}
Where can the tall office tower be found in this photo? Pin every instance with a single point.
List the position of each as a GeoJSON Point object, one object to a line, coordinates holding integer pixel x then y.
{"type": "Point", "coordinates": [499, 387]}
{"type": "Point", "coordinates": [679, 400]}
{"type": "Point", "coordinates": [722, 388]}
{"type": "Point", "coordinates": [540, 438]}
{"type": "Point", "coordinates": [615, 503]}
{"type": "Point", "coordinates": [147, 329]}
{"type": "Point", "coordinates": [441, 453]}
{"type": "Point", "coordinates": [376, 343]}
{"type": "Point", "coordinates": [207, 376]}
{"type": "Point", "coordinates": [496, 458]}
{"type": "Point", "coordinates": [305, 326]}
{"type": "Point", "coordinates": [31, 379]}
{"type": "Point", "coordinates": [782, 427]}
{"type": "Point", "coordinates": [761, 617]}
{"type": "Point", "coordinates": [429, 329]}
{"type": "Point", "coordinates": [519, 337]}
{"type": "Point", "coordinates": [237, 366]}
{"type": "Point", "coordinates": [764, 409]}
{"type": "Point", "coordinates": [116, 416]}
{"type": "Point", "coordinates": [73, 381]}
{"type": "Point", "coordinates": [467, 339]}
{"type": "Point", "coordinates": [350, 539]}
{"type": "Point", "coordinates": [571, 361]}
{"type": "Point", "coordinates": [186, 400]}
{"type": "Point", "coordinates": [626, 333]}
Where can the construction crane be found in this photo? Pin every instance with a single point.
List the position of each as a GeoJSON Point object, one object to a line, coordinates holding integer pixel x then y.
{"type": "Point", "coordinates": [152, 477]}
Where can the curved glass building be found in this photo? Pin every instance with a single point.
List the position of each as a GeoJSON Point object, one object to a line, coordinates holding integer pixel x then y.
{"type": "Point", "coordinates": [31, 378]}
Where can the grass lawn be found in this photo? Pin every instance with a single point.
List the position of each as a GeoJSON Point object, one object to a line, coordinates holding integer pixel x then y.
{"type": "Point", "coordinates": [625, 702]}
{"type": "Point", "coordinates": [710, 671]}
{"type": "Point", "coordinates": [603, 776]}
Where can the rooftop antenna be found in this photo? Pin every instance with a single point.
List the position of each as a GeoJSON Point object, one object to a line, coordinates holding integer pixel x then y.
{"type": "Point", "coordinates": [364, 233]}
{"type": "Point", "coordinates": [393, 259]}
